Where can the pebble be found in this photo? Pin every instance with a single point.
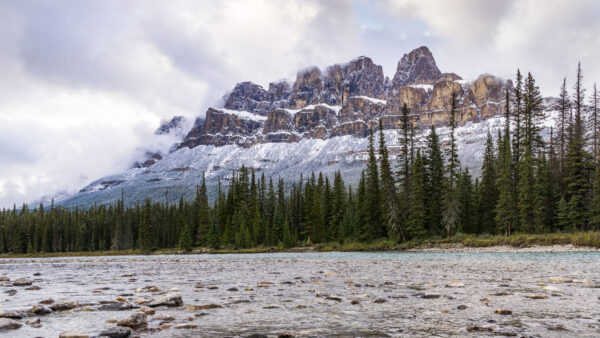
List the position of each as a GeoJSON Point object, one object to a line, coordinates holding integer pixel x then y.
{"type": "Point", "coordinates": [379, 301]}
{"type": "Point", "coordinates": [147, 311]}
{"type": "Point", "coordinates": [169, 300]}
{"type": "Point", "coordinates": [34, 322]}
{"type": "Point", "coordinates": [47, 301]}
{"type": "Point", "coordinates": [39, 309]}
{"type": "Point", "coordinates": [503, 312]}
{"type": "Point", "coordinates": [186, 326]}
{"type": "Point", "coordinates": [11, 314]}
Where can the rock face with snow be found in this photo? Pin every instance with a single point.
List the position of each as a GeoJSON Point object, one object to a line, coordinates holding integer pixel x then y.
{"type": "Point", "coordinates": [416, 67]}
{"type": "Point", "coordinates": [346, 99]}
{"type": "Point", "coordinates": [317, 123]}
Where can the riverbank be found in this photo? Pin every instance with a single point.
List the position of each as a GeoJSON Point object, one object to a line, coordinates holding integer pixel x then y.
{"type": "Point", "coordinates": [557, 242]}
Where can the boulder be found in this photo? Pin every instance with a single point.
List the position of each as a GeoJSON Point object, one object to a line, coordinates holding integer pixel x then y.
{"type": "Point", "coordinates": [116, 332]}
{"type": "Point", "coordinates": [62, 306]}
{"type": "Point", "coordinates": [11, 314]}
{"type": "Point", "coordinates": [9, 324]}
{"type": "Point", "coordinates": [169, 300]}
{"type": "Point", "coordinates": [117, 306]}
{"type": "Point", "coordinates": [135, 321]}
{"type": "Point", "coordinates": [22, 282]}
{"type": "Point", "coordinates": [39, 309]}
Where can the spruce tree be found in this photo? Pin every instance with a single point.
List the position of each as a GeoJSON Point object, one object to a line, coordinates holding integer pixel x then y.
{"type": "Point", "coordinates": [417, 221]}
{"type": "Point", "coordinates": [489, 191]}
{"type": "Point", "coordinates": [185, 239]}
{"type": "Point", "coordinates": [434, 169]}
{"type": "Point", "coordinates": [404, 169]}
{"type": "Point", "coordinates": [388, 189]}
{"type": "Point", "coordinates": [450, 212]}
{"type": "Point", "coordinates": [374, 227]}
{"type": "Point", "coordinates": [505, 208]}
{"type": "Point", "coordinates": [577, 160]}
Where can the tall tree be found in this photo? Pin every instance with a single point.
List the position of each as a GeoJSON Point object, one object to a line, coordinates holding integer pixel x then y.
{"type": "Point", "coordinates": [451, 204]}
{"type": "Point", "coordinates": [416, 225]}
{"type": "Point", "coordinates": [488, 188]}
{"type": "Point", "coordinates": [434, 169]}
{"type": "Point", "coordinates": [388, 189]}
{"type": "Point", "coordinates": [374, 227]}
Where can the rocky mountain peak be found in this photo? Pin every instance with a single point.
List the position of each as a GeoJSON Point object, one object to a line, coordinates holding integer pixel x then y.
{"type": "Point", "coordinates": [416, 67]}
{"type": "Point", "coordinates": [176, 126]}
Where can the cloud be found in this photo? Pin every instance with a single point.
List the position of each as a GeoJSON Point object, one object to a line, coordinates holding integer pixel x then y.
{"type": "Point", "coordinates": [85, 83]}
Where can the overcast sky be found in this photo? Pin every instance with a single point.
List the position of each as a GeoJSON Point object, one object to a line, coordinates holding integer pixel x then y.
{"type": "Point", "coordinates": [83, 84]}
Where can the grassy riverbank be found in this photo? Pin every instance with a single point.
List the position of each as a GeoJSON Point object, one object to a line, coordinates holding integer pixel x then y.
{"type": "Point", "coordinates": [582, 240]}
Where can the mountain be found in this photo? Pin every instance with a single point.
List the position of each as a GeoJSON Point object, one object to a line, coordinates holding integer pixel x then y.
{"type": "Point", "coordinates": [318, 123]}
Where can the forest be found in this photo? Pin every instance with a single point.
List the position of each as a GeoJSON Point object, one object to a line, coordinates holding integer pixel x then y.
{"type": "Point", "coordinates": [527, 185]}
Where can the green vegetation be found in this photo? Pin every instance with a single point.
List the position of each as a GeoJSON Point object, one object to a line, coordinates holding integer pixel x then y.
{"type": "Point", "coordinates": [531, 192]}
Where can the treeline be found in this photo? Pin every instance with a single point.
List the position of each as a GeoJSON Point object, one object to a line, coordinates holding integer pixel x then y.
{"type": "Point", "coordinates": [527, 184]}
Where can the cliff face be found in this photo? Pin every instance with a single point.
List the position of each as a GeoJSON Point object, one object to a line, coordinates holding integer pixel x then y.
{"type": "Point", "coordinates": [347, 99]}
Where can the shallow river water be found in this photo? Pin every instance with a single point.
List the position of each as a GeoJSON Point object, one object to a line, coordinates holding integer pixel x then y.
{"type": "Point", "coordinates": [317, 294]}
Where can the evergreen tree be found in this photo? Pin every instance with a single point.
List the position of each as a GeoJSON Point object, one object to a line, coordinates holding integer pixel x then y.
{"type": "Point", "coordinates": [388, 190]}
{"type": "Point", "coordinates": [489, 191]}
{"type": "Point", "coordinates": [417, 222]}
{"type": "Point", "coordinates": [434, 169]}
{"type": "Point", "coordinates": [450, 212]}
{"type": "Point", "coordinates": [467, 219]}
{"type": "Point", "coordinates": [374, 225]}
{"type": "Point", "coordinates": [185, 239]}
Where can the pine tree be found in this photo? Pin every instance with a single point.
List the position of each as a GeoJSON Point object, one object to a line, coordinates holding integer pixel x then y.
{"type": "Point", "coordinates": [489, 192]}
{"type": "Point", "coordinates": [374, 227]}
{"type": "Point", "coordinates": [417, 221]}
{"type": "Point", "coordinates": [505, 208]}
{"type": "Point", "coordinates": [467, 219]}
{"type": "Point", "coordinates": [203, 214]}
{"type": "Point", "coordinates": [185, 239]}
{"type": "Point", "coordinates": [146, 232]}
{"type": "Point", "coordinates": [563, 107]}
{"type": "Point", "coordinates": [388, 189]}
{"type": "Point", "coordinates": [404, 169]}
{"type": "Point", "coordinates": [577, 160]}
{"type": "Point", "coordinates": [434, 169]}
{"type": "Point", "coordinates": [451, 206]}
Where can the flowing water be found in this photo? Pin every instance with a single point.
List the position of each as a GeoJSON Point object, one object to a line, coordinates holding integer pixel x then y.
{"type": "Point", "coordinates": [319, 294]}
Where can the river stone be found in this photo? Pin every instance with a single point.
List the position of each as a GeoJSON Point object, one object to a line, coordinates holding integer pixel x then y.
{"type": "Point", "coordinates": [186, 326]}
{"type": "Point", "coordinates": [116, 332]}
{"type": "Point", "coordinates": [233, 289]}
{"type": "Point", "coordinates": [147, 311]}
{"type": "Point", "coordinates": [163, 317]}
{"type": "Point", "coordinates": [33, 288]}
{"type": "Point", "coordinates": [39, 309]}
{"type": "Point", "coordinates": [503, 312]}
{"type": "Point", "coordinates": [9, 324]}
{"type": "Point", "coordinates": [135, 321]}
{"type": "Point", "coordinates": [22, 282]}
{"type": "Point", "coordinates": [115, 307]}
{"type": "Point", "coordinates": [63, 306]}
{"type": "Point", "coordinates": [461, 307]}
{"type": "Point", "coordinates": [10, 314]}
{"type": "Point", "coordinates": [47, 301]}
{"type": "Point", "coordinates": [11, 292]}
{"type": "Point", "coordinates": [430, 296]}
{"type": "Point", "coordinates": [379, 301]}
{"type": "Point", "coordinates": [71, 334]}
{"type": "Point", "coordinates": [34, 322]}
{"type": "Point", "coordinates": [4, 279]}
{"type": "Point", "coordinates": [169, 300]}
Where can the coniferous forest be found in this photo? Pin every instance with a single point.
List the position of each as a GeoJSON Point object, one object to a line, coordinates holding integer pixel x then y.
{"type": "Point", "coordinates": [527, 184]}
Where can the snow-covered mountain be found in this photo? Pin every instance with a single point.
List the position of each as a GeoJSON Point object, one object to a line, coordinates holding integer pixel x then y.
{"type": "Point", "coordinates": [318, 123]}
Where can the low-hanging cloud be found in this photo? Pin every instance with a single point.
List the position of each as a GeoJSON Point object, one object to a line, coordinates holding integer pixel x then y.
{"type": "Point", "coordinates": [85, 83]}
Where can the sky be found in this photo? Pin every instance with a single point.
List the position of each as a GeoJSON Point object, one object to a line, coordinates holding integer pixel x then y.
{"type": "Point", "coordinates": [84, 84]}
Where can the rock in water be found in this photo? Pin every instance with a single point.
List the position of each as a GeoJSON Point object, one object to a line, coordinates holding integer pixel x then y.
{"type": "Point", "coordinates": [503, 312]}
{"type": "Point", "coordinates": [136, 321]}
{"type": "Point", "coordinates": [22, 282]}
{"type": "Point", "coordinates": [70, 334]}
{"type": "Point", "coordinates": [116, 332]}
{"type": "Point", "coordinates": [63, 306]}
{"type": "Point", "coordinates": [9, 324]}
{"type": "Point", "coordinates": [169, 300]}
{"type": "Point", "coordinates": [10, 314]}
{"type": "Point", "coordinates": [39, 309]}
{"type": "Point", "coordinates": [115, 307]}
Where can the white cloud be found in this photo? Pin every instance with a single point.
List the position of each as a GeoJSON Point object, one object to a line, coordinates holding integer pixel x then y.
{"type": "Point", "coordinates": [85, 83]}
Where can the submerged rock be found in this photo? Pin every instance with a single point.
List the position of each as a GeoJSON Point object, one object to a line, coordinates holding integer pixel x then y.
{"type": "Point", "coordinates": [163, 318]}
{"type": "Point", "coordinates": [62, 306]}
{"type": "Point", "coordinates": [11, 314]}
{"type": "Point", "coordinates": [47, 301]}
{"type": "Point", "coordinates": [136, 321]}
{"type": "Point", "coordinates": [22, 282]}
{"type": "Point", "coordinates": [70, 334]}
{"type": "Point", "coordinates": [503, 312]}
{"type": "Point", "coordinates": [186, 326]}
{"type": "Point", "coordinates": [116, 332]}
{"type": "Point", "coordinates": [169, 300]}
{"type": "Point", "coordinates": [39, 309]}
{"type": "Point", "coordinates": [379, 300]}
{"type": "Point", "coordinates": [34, 322]}
{"type": "Point", "coordinates": [9, 324]}
{"type": "Point", "coordinates": [117, 306]}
